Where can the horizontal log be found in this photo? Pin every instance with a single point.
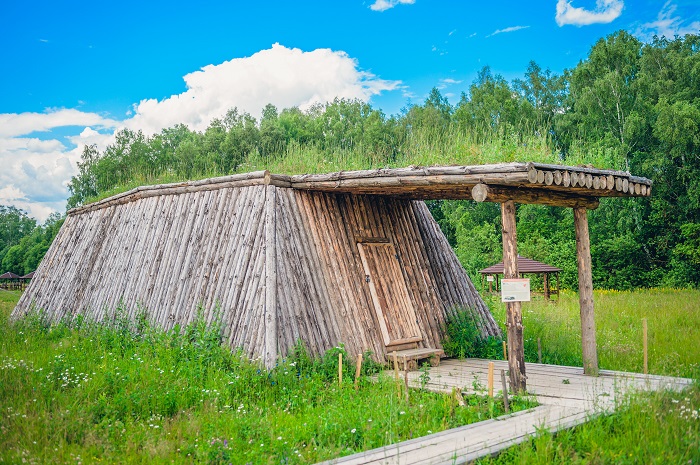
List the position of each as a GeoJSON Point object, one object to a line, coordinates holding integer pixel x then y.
{"type": "Point", "coordinates": [485, 193]}
{"type": "Point", "coordinates": [356, 185]}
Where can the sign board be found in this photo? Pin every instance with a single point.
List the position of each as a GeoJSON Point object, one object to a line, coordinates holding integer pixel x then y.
{"type": "Point", "coordinates": [515, 290]}
{"type": "Point", "coordinates": [489, 278]}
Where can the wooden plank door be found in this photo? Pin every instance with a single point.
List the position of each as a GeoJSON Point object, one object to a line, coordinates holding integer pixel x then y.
{"type": "Point", "coordinates": [395, 312]}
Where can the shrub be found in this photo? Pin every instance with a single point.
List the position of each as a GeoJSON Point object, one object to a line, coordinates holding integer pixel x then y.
{"type": "Point", "coordinates": [463, 338]}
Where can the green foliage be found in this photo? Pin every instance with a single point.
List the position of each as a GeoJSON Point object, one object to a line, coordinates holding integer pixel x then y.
{"type": "Point", "coordinates": [23, 243]}
{"type": "Point", "coordinates": [464, 340]}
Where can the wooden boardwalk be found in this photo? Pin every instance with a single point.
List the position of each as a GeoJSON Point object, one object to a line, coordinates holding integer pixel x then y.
{"type": "Point", "coordinates": [567, 398]}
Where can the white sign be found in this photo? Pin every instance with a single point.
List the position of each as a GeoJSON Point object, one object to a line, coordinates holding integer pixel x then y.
{"type": "Point", "coordinates": [515, 290]}
{"type": "Point", "coordinates": [489, 278]}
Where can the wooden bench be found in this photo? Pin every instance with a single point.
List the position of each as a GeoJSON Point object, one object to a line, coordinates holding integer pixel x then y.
{"type": "Point", "coordinates": [408, 359]}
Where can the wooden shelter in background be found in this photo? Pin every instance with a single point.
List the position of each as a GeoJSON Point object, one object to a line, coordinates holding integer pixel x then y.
{"type": "Point", "coordinates": [351, 257]}
{"type": "Point", "coordinates": [10, 281]}
{"type": "Point", "coordinates": [525, 266]}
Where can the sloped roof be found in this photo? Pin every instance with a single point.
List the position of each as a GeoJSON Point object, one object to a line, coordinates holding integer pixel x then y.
{"type": "Point", "coordinates": [525, 265]}
{"type": "Point", "coordinates": [9, 275]}
{"type": "Point", "coordinates": [29, 275]}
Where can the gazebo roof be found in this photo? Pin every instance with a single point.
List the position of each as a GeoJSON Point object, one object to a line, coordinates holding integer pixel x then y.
{"type": "Point", "coordinates": [28, 275]}
{"type": "Point", "coordinates": [525, 265]}
{"type": "Point", "coordinates": [9, 275]}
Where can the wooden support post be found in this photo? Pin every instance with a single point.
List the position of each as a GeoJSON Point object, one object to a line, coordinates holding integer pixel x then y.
{"type": "Point", "coordinates": [645, 346]}
{"type": "Point", "coordinates": [546, 286]}
{"type": "Point", "coordinates": [490, 379]}
{"type": "Point", "coordinates": [505, 350]}
{"type": "Point", "coordinates": [505, 391]}
{"type": "Point", "coordinates": [270, 356]}
{"type": "Point", "coordinates": [585, 292]}
{"type": "Point", "coordinates": [358, 369]}
{"type": "Point", "coordinates": [514, 316]}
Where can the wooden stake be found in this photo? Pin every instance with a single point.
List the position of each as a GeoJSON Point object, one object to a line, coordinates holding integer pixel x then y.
{"type": "Point", "coordinates": [539, 350]}
{"type": "Point", "coordinates": [505, 391]}
{"type": "Point", "coordinates": [585, 290]}
{"type": "Point", "coordinates": [505, 351]}
{"type": "Point", "coordinates": [396, 374]}
{"type": "Point", "coordinates": [514, 316]}
{"type": "Point", "coordinates": [458, 396]}
{"type": "Point", "coordinates": [340, 369]}
{"type": "Point", "coordinates": [490, 379]}
{"type": "Point", "coordinates": [405, 378]}
{"type": "Point", "coordinates": [645, 346]}
{"type": "Point", "coordinates": [358, 368]}
{"type": "Point", "coordinates": [396, 365]}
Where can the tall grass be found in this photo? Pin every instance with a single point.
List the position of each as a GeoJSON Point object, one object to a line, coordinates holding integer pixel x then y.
{"type": "Point", "coordinates": [423, 147]}
{"type": "Point", "coordinates": [128, 393]}
{"type": "Point", "coordinates": [673, 318]}
{"type": "Point", "coordinates": [659, 427]}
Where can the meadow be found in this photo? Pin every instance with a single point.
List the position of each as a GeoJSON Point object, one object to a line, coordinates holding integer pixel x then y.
{"type": "Point", "coordinates": [128, 393]}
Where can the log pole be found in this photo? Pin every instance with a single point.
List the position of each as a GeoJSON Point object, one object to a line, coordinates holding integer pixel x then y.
{"type": "Point", "coordinates": [514, 316]}
{"type": "Point", "coordinates": [585, 290]}
{"type": "Point", "coordinates": [270, 279]}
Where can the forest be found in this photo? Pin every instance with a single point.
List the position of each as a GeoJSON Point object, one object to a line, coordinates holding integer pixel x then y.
{"type": "Point", "coordinates": [628, 105]}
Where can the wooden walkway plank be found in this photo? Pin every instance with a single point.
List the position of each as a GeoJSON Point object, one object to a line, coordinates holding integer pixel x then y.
{"type": "Point", "coordinates": [562, 406]}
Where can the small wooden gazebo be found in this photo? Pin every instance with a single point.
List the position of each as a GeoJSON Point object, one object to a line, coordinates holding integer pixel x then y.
{"type": "Point", "coordinates": [9, 280]}
{"type": "Point", "coordinates": [525, 266]}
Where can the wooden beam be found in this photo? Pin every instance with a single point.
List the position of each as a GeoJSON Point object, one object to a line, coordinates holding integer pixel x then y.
{"type": "Point", "coordinates": [487, 193]}
{"type": "Point", "coordinates": [585, 290]}
{"type": "Point", "coordinates": [270, 356]}
{"type": "Point", "coordinates": [514, 317]}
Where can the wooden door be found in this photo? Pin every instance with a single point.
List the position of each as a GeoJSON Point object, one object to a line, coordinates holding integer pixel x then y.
{"type": "Point", "coordinates": [397, 318]}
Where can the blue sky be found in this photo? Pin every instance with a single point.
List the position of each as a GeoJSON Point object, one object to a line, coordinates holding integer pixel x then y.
{"type": "Point", "coordinates": [75, 72]}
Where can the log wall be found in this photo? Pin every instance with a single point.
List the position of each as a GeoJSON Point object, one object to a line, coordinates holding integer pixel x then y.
{"type": "Point", "coordinates": [170, 255]}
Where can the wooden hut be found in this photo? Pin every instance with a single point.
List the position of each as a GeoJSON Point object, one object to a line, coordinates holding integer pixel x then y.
{"type": "Point", "coordinates": [525, 266]}
{"type": "Point", "coordinates": [279, 264]}
{"type": "Point", "coordinates": [351, 257]}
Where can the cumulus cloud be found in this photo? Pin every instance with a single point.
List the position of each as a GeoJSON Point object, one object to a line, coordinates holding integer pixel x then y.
{"type": "Point", "coordinates": [668, 24]}
{"type": "Point", "coordinates": [383, 5]}
{"type": "Point", "coordinates": [605, 12]}
{"type": "Point", "coordinates": [37, 164]}
{"type": "Point", "coordinates": [508, 29]}
{"type": "Point", "coordinates": [282, 76]}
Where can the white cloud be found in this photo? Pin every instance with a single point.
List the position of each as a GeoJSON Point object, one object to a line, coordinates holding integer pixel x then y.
{"type": "Point", "coordinates": [36, 169]}
{"type": "Point", "coordinates": [605, 12]}
{"type": "Point", "coordinates": [282, 76]}
{"type": "Point", "coordinates": [18, 124]}
{"type": "Point", "coordinates": [508, 29]}
{"type": "Point", "coordinates": [383, 5]}
{"type": "Point", "coordinates": [668, 24]}
{"type": "Point", "coordinates": [450, 81]}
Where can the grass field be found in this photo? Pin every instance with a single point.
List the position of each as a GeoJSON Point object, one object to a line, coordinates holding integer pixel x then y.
{"type": "Point", "coordinates": [131, 394]}
{"type": "Point", "coordinates": [90, 394]}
